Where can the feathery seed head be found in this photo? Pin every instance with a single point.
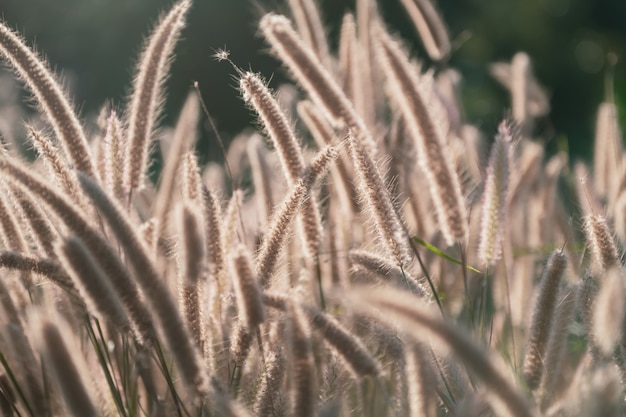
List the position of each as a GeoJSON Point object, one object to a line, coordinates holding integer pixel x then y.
{"type": "Point", "coordinates": [608, 311]}
{"type": "Point", "coordinates": [601, 242]}
{"type": "Point", "coordinates": [418, 103]}
{"type": "Point", "coordinates": [247, 290]}
{"type": "Point", "coordinates": [377, 201]}
{"type": "Point", "coordinates": [51, 97]}
{"type": "Point", "coordinates": [146, 99]}
{"type": "Point", "coordinates": [313, 77]}
{"type": "Point", "coordinates": [542, 320]}
{"type": "Point", "coordinates": [495, 196]}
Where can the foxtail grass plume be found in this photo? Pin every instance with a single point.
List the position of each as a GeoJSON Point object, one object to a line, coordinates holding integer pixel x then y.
{"type": "Point", "coordinates": [289, 152]}
{"type": "Point", "coordinates": [113, 155]}
{"type": "Point", "coordinates": [39, 226]}
{"type": "Point", "coordinates": [53, 341]}
{"type": "Point", "coordinates": [420, 381]}
{"type": "Point", "coordinates": [277, 229]}
{"type": "Point", "coordinates": [158, 296]}
{"type": "Point", "coordinates": [311, 28]}
{"type": "Point", "coordinates": [359, 360]}
{"type": "Point", "coordinates": [266, 404]}
{"type": "Point", "coordinates": [607, 150]}
{"type": "Point", "coordinates": [65, 178]}
{"type": "Point", "coordinates": [372, 263]}
{"type": "Point", "coordinates": [377, 201]}
{"type": "Point", "coordinates": [608, 311]}
{"type": "Point", "coordinates": [147, 96]}
{"type": "Point", "coordinates": [44, 267]}
{"type": "Point", "coordinates": [420, 322]}
{"type": "Point", "coordinates": [53, 100]}
{"type": "Point", "coordinates": [192, 267]}
{"type": "Point", "coordinates": [601, 243]}
{"type": "Point", "coordinates": [302, 369]}
{"type": "Point", "coordinates": [102, 251]}
{"type": "Point", "coordinates": [183, 142]}
{"type": "Point", "coordinates": [93, 284]}
{"type": "Point", "coordinates": [430, 28]}
{"type": "Point", "coordinates": [415, 98]}
{"type": "Point", "coordinates": [542, 321]}
{"type": "Point", "coordinates": [495, 195]}
{"type": "Point", "coordinates": [520, 78]}
{"type": "Point", "coordinates": [247, 290]}
{"type": "Point", "coordinates": [261, 177]}
{"type": "Point", "coordinates": [313, 77]}
{"type": "Point", "coordinates": [557, 348]}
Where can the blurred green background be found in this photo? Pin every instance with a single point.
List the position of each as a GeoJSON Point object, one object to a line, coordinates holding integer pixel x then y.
{"type": "Point", "coordinates": [95, 43]}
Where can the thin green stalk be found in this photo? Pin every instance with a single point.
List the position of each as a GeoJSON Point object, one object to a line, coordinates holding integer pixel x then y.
{"type": "Point", "coordinates": [318, 271]}
{"type": "Point", "coordinates": [20, 393]}
{"type": "Point", "coordinates": [129, 388]}
{"type": "Point", "coordinates": [168, 379]}
{"type": "Point", "coordinates": [427, 275]}
{"type": "Point", "coordinates": [442, 376]}
{"type": "Point", "coordinates": [102, 358]}
{"type": "Point", "coordinates": [46, 390]}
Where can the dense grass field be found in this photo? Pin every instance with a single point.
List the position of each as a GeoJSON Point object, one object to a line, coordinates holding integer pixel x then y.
{"type": "Point", "coordinates": [365, 252]}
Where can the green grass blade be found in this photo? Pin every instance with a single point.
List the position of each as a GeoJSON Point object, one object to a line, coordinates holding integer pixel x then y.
{"type": "Point", "coordinates": [442, 254]}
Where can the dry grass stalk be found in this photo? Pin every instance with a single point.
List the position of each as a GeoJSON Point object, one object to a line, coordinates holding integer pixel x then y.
{"type": "Point", "coordinates": [351, 61]}
{"type": "Point", "coordinates": [415, 98]}
{"type": "Point", "coordinates": [367, 15]}
{"type": "Point", "coordinates": [50, 96]}
{"type": "Point", "coordinates": [147, 97]}
{"type": "Point", "coordinates": [430, 27]}
{"type": "Point", "coordinates": [347, 55]}
{"type": "Point", "coordinates": [620, 218]}
{"type": "Point", "coordinates": [537, 101]}
{"type": "Point", "coordinates": [542, 321]}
